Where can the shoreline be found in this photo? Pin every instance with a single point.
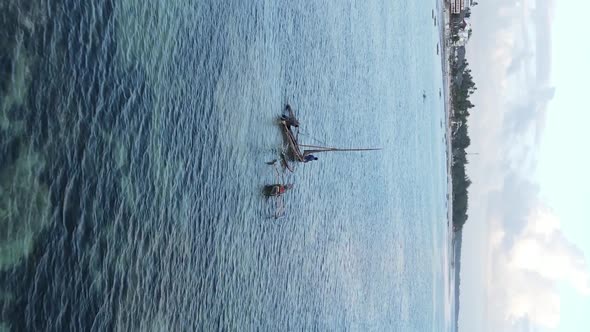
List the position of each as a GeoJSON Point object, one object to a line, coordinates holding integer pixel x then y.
{"type": "Point", "coordinates": [444, 41]}
{"type": "Point", "coordinates": [446, 69]}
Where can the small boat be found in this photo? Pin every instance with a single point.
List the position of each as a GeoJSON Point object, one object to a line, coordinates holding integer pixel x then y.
{"type": "Point", "coordinates": [294, 146]}
{"type": "Point", "coordinates": [273, 190]}
{"type": "Point", "coordinates": [276, 191]}
{"type": "Point", "coordinates": [292, 141]}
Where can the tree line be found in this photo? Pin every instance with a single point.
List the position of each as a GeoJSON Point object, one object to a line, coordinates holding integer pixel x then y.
{"type": "Point", "coordinates": [461, 90]}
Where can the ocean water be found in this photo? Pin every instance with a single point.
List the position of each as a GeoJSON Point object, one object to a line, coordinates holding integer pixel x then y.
{"type": "Point", "coordinates": [134, 137]}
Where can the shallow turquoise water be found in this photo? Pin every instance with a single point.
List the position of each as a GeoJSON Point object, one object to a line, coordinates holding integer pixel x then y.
{"type": "Point", "coordinates": [138, 133]}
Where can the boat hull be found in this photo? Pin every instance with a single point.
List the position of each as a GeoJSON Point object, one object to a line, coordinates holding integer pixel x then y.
{"type": "Point", "coordinates": [271, 190]}
{"type": "Point", "coordinates": [294, 149]}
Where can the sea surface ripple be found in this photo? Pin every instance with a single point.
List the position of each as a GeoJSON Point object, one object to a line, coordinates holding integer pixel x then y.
{"type": "Point", "coordinates": [134, 136]}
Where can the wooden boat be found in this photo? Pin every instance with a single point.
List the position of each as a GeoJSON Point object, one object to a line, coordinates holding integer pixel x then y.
{"type": "Point", "coordinates": [273, 190]}
{"type": "Point", "coordinates": [295, 147]}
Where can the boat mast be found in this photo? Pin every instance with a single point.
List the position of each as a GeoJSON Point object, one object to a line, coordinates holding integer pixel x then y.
{"type": "Point", "coordinates": [307, 152]}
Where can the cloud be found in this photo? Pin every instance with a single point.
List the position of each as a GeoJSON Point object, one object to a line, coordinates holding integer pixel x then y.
{"type": "Point", "coordinates": [518, 61]}
{"type": "Point", "coordinates": [543, 249]}
{"type": "Point", "coordinates": [527, 268]}
{"type": "Point", "coordinates": [527, 253]}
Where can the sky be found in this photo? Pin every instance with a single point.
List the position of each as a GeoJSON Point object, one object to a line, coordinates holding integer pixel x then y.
{"type": "Point", "coordinates": [526, 245]}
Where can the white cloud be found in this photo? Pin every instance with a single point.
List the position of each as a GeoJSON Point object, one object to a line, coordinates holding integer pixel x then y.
{"type": "Point", "coordinates": [527, 255]}
{"type": "Point", "coordinates": [527, 269]}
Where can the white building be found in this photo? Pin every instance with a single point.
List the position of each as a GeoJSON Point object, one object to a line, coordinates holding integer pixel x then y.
{"type": "Point", "coordinates": [457, 6]}
{"type": "Point", "coordinates": [463, 35]}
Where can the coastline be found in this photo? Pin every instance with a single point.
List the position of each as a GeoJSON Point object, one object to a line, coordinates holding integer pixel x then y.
{"type": "Point", "coordinates": [446, 68]}
{"type": "Point", "coordinates": [444, 30]}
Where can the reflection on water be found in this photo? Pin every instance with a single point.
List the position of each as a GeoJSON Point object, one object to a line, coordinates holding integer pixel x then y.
{"type": "Point", "coordinates": [133, 138]}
